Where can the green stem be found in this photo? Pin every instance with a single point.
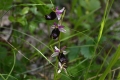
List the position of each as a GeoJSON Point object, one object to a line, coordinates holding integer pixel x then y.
{"type": "Point", "coordinates": [52, 3]}
{"type": "Point", "coordinates": [55, 72]}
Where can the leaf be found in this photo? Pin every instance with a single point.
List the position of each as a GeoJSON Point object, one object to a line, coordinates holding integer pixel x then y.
{"type": "Point", "coordinates": [85, 51]}
{"type": "Point", "coordinates": [25, 10]}
{"type": "Point", "coordinates": [73, 53]}
{"type": "Point", "coordinates": [32, 26]}
{"type": "Point", "coordinates": [94, 4]}
{"type": "Point", "coordinates": [34, 10]}
{"type": "Point", "coordinates": [3, 52]}
{"type": "Point", "coordinates": [11, 18]}
{"type": "Point", "coordinates": [22, 20]}
{"type": "Point", "coordinates": [42, 7]}
{"type": "Point", "coordinates": [90, 4]}
{"type": "Point", "coordinates": [88, 51]}
{"type": "Point", "coordinates": [86, 25]}
{"type": "Point", "coordinates": [66, 27]}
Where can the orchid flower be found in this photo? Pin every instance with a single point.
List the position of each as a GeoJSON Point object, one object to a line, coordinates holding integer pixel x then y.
{"type": "Point", "coordinates": [61, 58]}
{"type": "Point", "coordinates": [57, 51]}
{"type": "Point", "coordinates": [55, 13]}
{"type": "Point", "coordinates": [57, 28]}
{"type": "Point", "coordinates": [60, 27]}
{"type": "Point", "coordinates": [59, 12]}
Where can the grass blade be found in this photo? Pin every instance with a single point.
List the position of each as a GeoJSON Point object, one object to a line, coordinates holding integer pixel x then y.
{"type": "Point", "coordinates": [112, 62]}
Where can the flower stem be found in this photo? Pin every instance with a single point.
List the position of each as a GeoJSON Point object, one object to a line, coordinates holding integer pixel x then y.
{"type": "Point", "coordinates": [60, 21]}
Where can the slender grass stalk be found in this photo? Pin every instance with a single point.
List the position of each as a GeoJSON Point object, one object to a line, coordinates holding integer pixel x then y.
{"type": "Point", "coordinates": [18, 51]}
{"type": "Point", "coordinates": [52, 3]}
{"type": "Point", "coordinates": [60, 22]}
{"type": "Point", "coordinates": [29, 5]}
{"type": "Point", "coordinates": [38, 51]}
{"type": "Point", "coordinates": [67, 37]}
{"type": "Point", "coordinates": [107, 9]}
{"type": "Point", "coordinates": [12, 66]}
{"type": "Point", "coordinates": [103, 22]}
{"type": "Point", "coordinates": [59, 41]}
{"type": "Point", "coordinates": [103, 62]}
{"type": "Point", "coordinates": [9, 76]}
{"type": "Point", "coordinates": [30, 37]}
{"type": "Point", "coordinates": [2, 76]}
{"type": "Point", "coordinates": [55, 71]}
{"type": "Point", "coordinates": [15, 49]}
{"type": "Point", "coordinates": [41, 53]}
{"type": "Point", "coordinates": [79, 64]}
{"type": "Point", "coordinates": [99, 75]}
{"type": "Point", "coordinates": [111, 64]}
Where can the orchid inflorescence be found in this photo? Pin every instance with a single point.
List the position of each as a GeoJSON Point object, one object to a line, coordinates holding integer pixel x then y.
{"type": "Point", "coordinates": [57, 28]}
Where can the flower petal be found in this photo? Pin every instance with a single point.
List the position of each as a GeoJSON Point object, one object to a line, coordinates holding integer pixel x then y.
{"type": "Point", "coordinates": [55, 24]}
{"type": "Point", "coordinates": [58, 16]}
{"type": "Point", "coordinates": [54, 54]}
{"type": "Point", "coordinates": [65, 70]}
{"type": "Point", "coordinates": [60, 65]}
{"type": "Point", "coordinates": [65, 52]}
{"type": "Point", "coordinates": [59, 26]}
{"type": "Point", "coordinates": [59, 70]}
{"type": "Point", "coordinates": [56, 49]}
{"type": "Point", "coordinates": [60, 11]}
{"type": "Point", "coordinates": [62, 30]}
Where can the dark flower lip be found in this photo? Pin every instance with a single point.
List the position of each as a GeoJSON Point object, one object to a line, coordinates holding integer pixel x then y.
{"type": "Point", "coordinates": [51, 16]}
{"type": "Point", "coordinates": [62, 58]}
{"type": "Point", "coordinates": [62, 62]}
{"type": "Point", "coordinates": [55, 33]}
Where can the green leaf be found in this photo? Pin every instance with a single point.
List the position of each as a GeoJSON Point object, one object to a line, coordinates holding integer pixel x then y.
{"type": "Point", "coordinates": [34, 10]}
{"type": "Point", "coordinates": [66, 27]}
{"type": "Point", "coordinates": [94, 4]}
{"type": "Point", "coordinates": [85, 51]}
{"type": "Point", "coordinates": [86, 25]}
{"type": "Point", "coordinates": [73, 53]}
{"type": "Point", "coordinates": [90, 4]}
{"type": "Point", "coordinates": [50, 6]}
{"type": "Point", "coordinates": [3, 52]}
{"type": "Point", "coordinates": [32, 26]}
{"type": "Point", "coordinates": [22, 20]}
{"type": "Point", "coordinates": [25, 10]}
{"type": "Point", "coordinates": [42, 7]}
{"type": "Point", "coordinates": [88, 51]}
{"type": "Point", "coordinates": [12, 19]}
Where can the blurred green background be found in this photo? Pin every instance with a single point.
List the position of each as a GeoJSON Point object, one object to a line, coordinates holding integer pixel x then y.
{"type": "Point", "coordinates": [25, 35]}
